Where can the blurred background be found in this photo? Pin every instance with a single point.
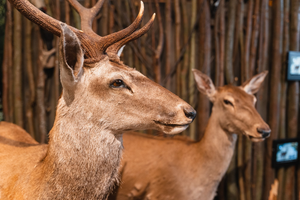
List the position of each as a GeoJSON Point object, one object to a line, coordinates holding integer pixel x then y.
{"type": "Point", "coordinates": [229, 40]}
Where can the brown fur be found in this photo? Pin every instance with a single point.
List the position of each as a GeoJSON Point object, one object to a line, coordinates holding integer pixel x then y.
{"type": "Point", "coordinates": [163, 169]}
{"type": "Point", "coordinates": [85, 143]}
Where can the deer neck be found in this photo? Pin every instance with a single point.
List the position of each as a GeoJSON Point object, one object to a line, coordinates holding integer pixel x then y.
{"type": "Point", "coordinates": [83, 157]}
{"type": "Point", "coordinates": [215, 149]}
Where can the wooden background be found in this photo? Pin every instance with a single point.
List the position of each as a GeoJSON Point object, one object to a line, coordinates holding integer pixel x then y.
{"type": "Point", "coordinates": [229, 40]}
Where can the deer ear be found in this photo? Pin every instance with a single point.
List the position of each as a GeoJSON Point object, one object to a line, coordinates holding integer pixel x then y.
{"type": "Point", "coordinates": [71, 56]}
{"type": "Point", "coordinates": [252, 85]}
{"type": "Point", "coordinates": [204, 84]}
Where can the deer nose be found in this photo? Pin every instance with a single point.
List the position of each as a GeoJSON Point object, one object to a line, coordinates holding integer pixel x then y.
{"type": "Point", "coordinates": [264, 132]}
{"type": "Point", "coordinates": [190, 113]}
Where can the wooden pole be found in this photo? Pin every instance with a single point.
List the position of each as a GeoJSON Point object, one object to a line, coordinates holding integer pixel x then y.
{"type": "Point", "coordinates": [7, 65]}
{"type": "Point", "coordinates": [275, 90]}
{"type": "Point", "coordinates": [262, 97]}
{"type": "Point", "coordinates": [293, 99]}
{"type": "Point", "coordinates": [17, 69]}
{"type": "Point", "coordinates": [30, 78]}
{"type": "Point", "coordinates": [203, 108]}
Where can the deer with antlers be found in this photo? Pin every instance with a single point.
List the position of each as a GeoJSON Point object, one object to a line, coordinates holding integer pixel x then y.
{"type": "Point", "coordinates": [101, 99]}
{"type": "Point", "coordinates": [181, 169]}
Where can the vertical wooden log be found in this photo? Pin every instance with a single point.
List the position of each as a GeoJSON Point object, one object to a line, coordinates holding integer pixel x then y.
{"type": "Point", "coordinates": [251, 47]}
{"type": "Point", "coordinates": [240, 161]}
{"type": "Point", "coordinates": [252, 63]}
{"type": "Point", "coordinates": [222, 41]}
{"type": "Point", "coordinates": [217, 47]}
{"type": "Point", "coordinates": [204, 54]}
{"type": "Point", "coordinates": [191, 82]}
{"type": "Point", "coordinates": [30, 76]}
{"type": "Point", "coordinates": [67, 12]}
{"type": "Point", "coordinates": [40, 96]}
{"type": "Point", "coordinates": [76, 19]}
{"type": "Point", "coordinates": [275, 90]}
{"type": "Point", "coordinates": [231, 186]}
{"type": "Point", "coordinates": [185, 64]}
{"type": "Point", "coordinates": [245, 74]}
{"type": "Point", "coordinates": [283, 126]}
{"type": "Point", "coordinates": [293, 99]}
{"type": "Point", "coordinates": [7, 65]}
{"type": "Point", "coordinates": [262, 98]}
{"type": "Point", "coordinates": [111, 19]}
{"type": "Point", "coordinates": [178, 27]}
{"type": "Point", "coordinates": [17, 62]}
{"type": "Point", "coordinates": [238, 30]}
{"type": "Point", "coordinates": [168, 39]}
{"type": "Point", "coordinates": [229, 42]}
{"type": "Point", "coordinates": [159, 48]}
{"type": "Point", "coordinates": [254, 37]}
{"type": "Point", "coordinates": [56, 70]}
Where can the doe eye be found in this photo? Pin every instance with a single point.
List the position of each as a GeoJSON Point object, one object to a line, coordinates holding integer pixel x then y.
{"type": "Point", "coordinates": [228, 102]}
{"type": "Point", "coordinates": [117, 83]}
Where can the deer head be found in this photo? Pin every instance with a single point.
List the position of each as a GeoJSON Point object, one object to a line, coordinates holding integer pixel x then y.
{"type": "Point", "coordinates": [99, 86]}
{"type": "Point", "coordinates": [235, 106]}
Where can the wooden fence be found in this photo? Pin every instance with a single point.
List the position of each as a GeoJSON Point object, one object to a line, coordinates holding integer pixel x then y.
{"type": "Point", "coordinates": [228, 40]}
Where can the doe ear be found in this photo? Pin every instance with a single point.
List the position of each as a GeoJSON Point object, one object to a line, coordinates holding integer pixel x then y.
{"type": "Point", "coordinates": [252, 85]}
{"type": "Point", "coordinates": [204, 84]}
{"type": "Point", "coordinates": [71, 57]}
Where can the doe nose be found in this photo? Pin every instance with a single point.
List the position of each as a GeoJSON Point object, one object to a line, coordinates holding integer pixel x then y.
{"type": "Point", "coordinates": [264, 132]}
{"type": "Point", "coordinates": [190, 113]}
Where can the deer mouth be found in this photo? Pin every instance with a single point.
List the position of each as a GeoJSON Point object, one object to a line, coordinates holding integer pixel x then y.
{"type": "Point", "coordinates": [171, 129]}
{"type": "Point", "coordinates": [171, 125]}
{"type": "Point", "coordinates": [256, 139]}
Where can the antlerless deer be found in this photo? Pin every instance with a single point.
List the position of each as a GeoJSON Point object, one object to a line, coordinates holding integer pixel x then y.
{"type": "Point", "coordinates": [179, 169]}
{"type": "Point", "coordinates": [101, 99]}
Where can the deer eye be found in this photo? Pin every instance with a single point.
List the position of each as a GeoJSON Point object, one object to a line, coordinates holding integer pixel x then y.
{"type": "Point", "coordinates": [227, 102]}
{"type": "Point", "coordinates": [117, 83]}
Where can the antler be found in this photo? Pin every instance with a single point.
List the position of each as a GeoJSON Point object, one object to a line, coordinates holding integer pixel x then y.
{"type": "Point", "coordinates": [93, 44]}
{"type": "Point", "coordinates": [115, 47]}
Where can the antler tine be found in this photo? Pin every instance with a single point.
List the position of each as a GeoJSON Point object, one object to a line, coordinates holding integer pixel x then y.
{"type": "Point", "coordinates": [35, 15]}
{"type": "Point", "coordinates": [96, 8]}
{"type": "Point", "coordinates": [117, 46]}
{"type": "Point", "coordinates": [87, 15]}
{"type": "Point", "coordinates": [108, 40]}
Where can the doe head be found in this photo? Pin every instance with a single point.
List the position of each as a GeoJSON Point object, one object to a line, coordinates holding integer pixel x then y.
{"type": "Point", "coordinates": [235, 106]}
